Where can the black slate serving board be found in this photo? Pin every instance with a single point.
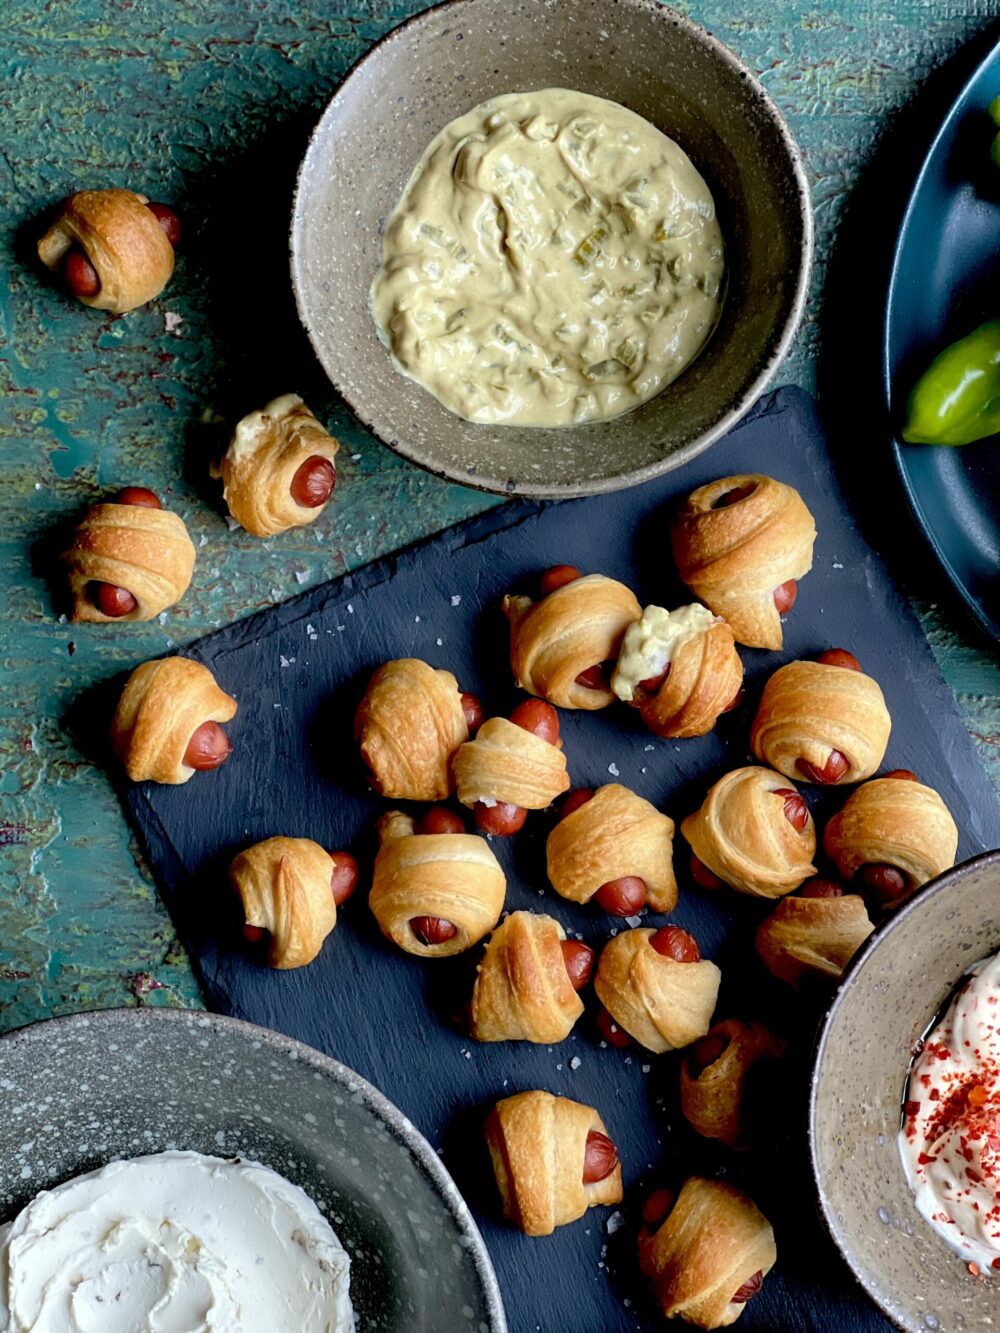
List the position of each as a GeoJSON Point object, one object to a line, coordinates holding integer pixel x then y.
{"type": "Point", "coordinates": [298, 671]}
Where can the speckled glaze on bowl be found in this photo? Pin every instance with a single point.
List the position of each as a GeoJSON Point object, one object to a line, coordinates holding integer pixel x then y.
{"type": "Point", "coordinates": [442, 63]}
{"type": "Point", "coordinates": [77, 1092]}
{"type": "Point", "coordinates": [893, 992]}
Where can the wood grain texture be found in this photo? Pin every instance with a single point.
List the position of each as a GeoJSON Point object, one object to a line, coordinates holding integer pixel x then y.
{"type": "Point", "coordinates": [208, 106]}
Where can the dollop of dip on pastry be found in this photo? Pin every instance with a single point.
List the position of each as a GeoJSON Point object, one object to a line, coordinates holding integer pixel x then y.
{"type": "Point", "coordinates": [554, 259]}
{"type": "Point", "coordinates": [950, 1140]}
{"type": "Point", "coordinates": [174, 1241]}
{"type": "Point", "coordinates": [652, 642]}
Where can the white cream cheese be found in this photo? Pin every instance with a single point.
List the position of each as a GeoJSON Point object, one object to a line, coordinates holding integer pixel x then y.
{"type": "Point", "coordinates": [652, 642]}
{"type": "Point", "coordinates": [950, 1140]}
{"type": "Point", "coordinates": [554, 259]}
{"type": "Point", "coordinates": [174, 1243]}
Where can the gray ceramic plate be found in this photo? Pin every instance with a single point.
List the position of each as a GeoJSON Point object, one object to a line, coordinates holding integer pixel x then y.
{"type": "Point", "coordinates": [638, 53]}
{"type": "Point", "coordinates": [76, 1092]}
{"type": "Point", "coordinates": [893, 992]}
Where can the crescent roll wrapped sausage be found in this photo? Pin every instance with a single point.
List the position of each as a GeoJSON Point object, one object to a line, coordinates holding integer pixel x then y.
{"type": "Point", "coordinates": [662, 1003]}
{"type": "Point", "coordinates": [434, 894]}
{"type": "Point", "coordinates": [560, 645]}
{"type": "Point", "coordinates": [143, 552]}
{"type": "Point", "coordinates": [821, 723]}
{"type": "Point", "coordinates": [547, 1155]}
{"type": "Point", "coordinates": [680, 669]}
{"type": "Point", "coordinates": [123, 241]}
{"type": "Point", "coordinates": [892, 836]}
{"type": "Point", "coordinates": [754, 832]}
{"type": "Point", "coordinates": [813, 937]}
{"type": "Point", "coordinates": [523, 991]}
{"type": "Point", "coordinates": [278, 471]}
{"type": "Point", "coordinates": [740, 544]}
{"type": "Point", "coordinates": [710, 1255]}
{"type": "Point", "coordinates": [166, 724]}
{"type": "Point", "coordinates": [507, 764]}
{"type": "Point", "coordinates": [285, 886]}
{"type": "Point", "coordinates": [714, 1076]}
{"type": "Point", "coordinates": [408, 726]}
{"type": "Point", "coordinates": [614, 835]}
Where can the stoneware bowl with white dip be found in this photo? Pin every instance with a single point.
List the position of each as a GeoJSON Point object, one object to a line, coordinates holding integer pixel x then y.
{"type": "Point", "coordinates": [895, 990]}
{"type": "Point", "coordinates": [638, 53]}
{"type": "Point", "coordinates": [79, 1092]}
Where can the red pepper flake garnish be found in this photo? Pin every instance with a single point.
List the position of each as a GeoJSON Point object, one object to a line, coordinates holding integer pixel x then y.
{"type": "Point", "coordinates": [978, 1095]}
{"type": "Point", "coordinates": [995, 1264]}
{"type": "Point", "coordinates": [974, 1269]}
{"type": "Point", "coordinates": [924, 1160]}
{"type": "Point", "coordinates": [912, 1108]}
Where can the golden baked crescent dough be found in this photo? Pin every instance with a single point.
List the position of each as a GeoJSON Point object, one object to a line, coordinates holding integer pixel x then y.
{"type": "Point", "coordinates": [145, 551]}
{"type": "Point", "coordinates": [809, 709]}
{"type": "Point", "coordinates": [523, 991]}
{"type": "Point", "coordinates": [615, 834]}
{"type": "Point", "coordinates": [712, 1098]}
{"type": "Point", "coordinates": [266, 450]}
{"type": "Point", "coordinates": [893, 822]}
{"type": "Point", "coordinates": [713, 1242]}
{"type": "Point", "coordinates": [705, 679]}
{"type": "Point", "coordinates": [123, 241]}
{"type": "Point", "coordinates": [453, 877]}
{"type": "Point", "coordinates": [742, 834]}
{"type": "Point", "coordinates": [505, 763]}
{"type": "Point", "coordinates": [538, 1144]}
{"type": "Point", "coordinates": [162, 706]}
{"type": "Point", "coordinates": [574, 628]}
{"type": "Point", "coordinates": [409, 725]}
{"type": "Point", "coordinates": [661, 1003]}
{"type": "Point", "coordinates": [285, 885]}
{"type": "Point", "coordinates": [734, 557]}
{"type": "Point", "coordinates": [813, 937]}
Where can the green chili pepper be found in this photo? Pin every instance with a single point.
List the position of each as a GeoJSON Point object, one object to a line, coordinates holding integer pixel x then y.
{"type": "Point", "coordinates": [957, 398]}
{"type": "Point", "coordinates": [994, 114]}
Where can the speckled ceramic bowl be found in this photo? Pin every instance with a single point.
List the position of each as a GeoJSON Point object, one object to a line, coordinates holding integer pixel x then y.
{"type": "Point", "coordinates": [77, 1092]}
{"type": "Point", "coordinates": [636, 52]}
{"type": "Point", "coordinates": [894, 991]}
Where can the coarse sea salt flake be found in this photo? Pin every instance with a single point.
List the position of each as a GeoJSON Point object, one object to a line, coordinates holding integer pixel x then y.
{"type": "Point", "coordinates": [614, 770]}
{"type": "Point", "coordinates": [575, 1063]}
{"type": "Point", "coordinates": [614, 1223]}
{"type": "Point", "coordinates": [301, 576]}
{"type": "Point", "coordinates": [456, 597]}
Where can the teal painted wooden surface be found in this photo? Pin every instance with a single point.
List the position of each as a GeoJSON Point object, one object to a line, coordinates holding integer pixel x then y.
{"type": "Point", "coordinates": [208, 105]}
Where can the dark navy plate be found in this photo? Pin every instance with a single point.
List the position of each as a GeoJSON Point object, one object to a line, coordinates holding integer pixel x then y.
{"type": "Point", "coordinates": [945, 282]}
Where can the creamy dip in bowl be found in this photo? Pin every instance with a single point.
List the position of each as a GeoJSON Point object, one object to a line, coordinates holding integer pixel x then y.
{"type": "Point", "coordinates": [950, 1139]}
{"type": "Point", "coordinates": [554, 259]}
{"type": "Point", "coordinates": [126, 1126]}
{"type": "Point", "coordinates": [638, 55]}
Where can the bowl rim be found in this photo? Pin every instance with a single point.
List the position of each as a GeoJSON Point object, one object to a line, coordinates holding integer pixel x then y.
{"type": "Point", "coordinates": [375, 1101]}
{"type": "Point", "coordinates": [747, 396]}
{"type": "Point", "coordinates": [912, 908]}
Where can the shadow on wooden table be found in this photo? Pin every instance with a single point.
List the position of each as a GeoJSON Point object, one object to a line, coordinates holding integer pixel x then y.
{"type": "Point", "coordinates": [851, 333]}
